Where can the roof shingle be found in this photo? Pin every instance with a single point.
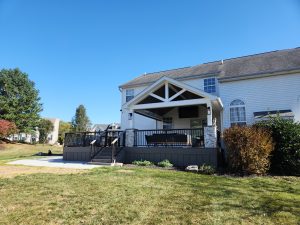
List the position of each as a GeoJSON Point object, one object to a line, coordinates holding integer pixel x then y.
{"type": "Point", "coordinates": [252, 65]}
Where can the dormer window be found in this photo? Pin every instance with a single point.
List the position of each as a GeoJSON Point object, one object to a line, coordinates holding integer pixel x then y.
{"type": "Point", "coordinates": [129, 94]}
{"type": "Point", "coordinates": [210, 85]}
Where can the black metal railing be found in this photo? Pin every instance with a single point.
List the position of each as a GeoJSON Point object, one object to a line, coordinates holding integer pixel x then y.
{"type": "Point", "coordinates": [169, 138]}
{"type": "Point", "coordinates": [99, 139]}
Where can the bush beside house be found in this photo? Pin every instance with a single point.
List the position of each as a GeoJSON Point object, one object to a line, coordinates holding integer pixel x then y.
{"type": "Point", "coordinates": [248, 149]}
{"type": "Point", "coordinates": [285, 159]}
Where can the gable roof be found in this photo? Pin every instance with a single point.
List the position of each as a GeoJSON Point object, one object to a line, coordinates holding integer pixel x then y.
{"type": "Point", "coordinates": [235, 68]}
{"type": "Point", "coordinates": [161, 81]}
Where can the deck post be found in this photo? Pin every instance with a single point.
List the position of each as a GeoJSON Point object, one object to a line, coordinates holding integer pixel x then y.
{"type": "Point", "coordinates": [130, 137]}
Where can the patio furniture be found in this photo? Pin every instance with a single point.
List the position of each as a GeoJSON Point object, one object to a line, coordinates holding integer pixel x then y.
{"type": "Point", "coordinates": [167, 139]}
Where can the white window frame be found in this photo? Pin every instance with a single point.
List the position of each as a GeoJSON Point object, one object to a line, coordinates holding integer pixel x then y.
{"type": "Point", "coordinates": [210, 85]}
{"type": "Point", "coordinates": [241, 120]}
{"type": "Point", "coordinates": [129, 94]}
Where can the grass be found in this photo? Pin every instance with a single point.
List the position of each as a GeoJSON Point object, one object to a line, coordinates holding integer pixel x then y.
{"type": "Point", "coordinates": [10, 152]}
{"type": "Point", "coordinates": [147, 196]}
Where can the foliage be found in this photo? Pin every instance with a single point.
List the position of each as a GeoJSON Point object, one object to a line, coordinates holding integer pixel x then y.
{"type": "Point", "coordinates": [142, 163]}
{"type": "Point", "coordinates": [19, 100]}
{"type": "Point", "coordinates": [45, 127]}
{"type": "Point", "coordinates": [206, 169]}
{"type": "Point", "coordinates": [64, 127]}
{"type": "Point", "coordinates": [165, 163]}
{"type": "Point", "coordinates": [81, 122]}
{"type": "Point", "coordinates": [7, 128]}
{"type": "Point", "coordinates": [286, 135]}
{"type": "Point", "coordinates": [248, 149]}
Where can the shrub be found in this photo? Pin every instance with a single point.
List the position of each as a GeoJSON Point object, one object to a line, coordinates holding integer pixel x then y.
{"type": "Point", "coordinates": [7, 128]}
{"type": "Point", "coordinates": [248, 149]}
{"type": "Point", "coordinates": [142, 163]}
{"type": "Point", "coordinates": [206, 169]}
{"type": "Point", "coordinates": [165, 163]}
{"type": "Point", "coordinates": [285, 159]}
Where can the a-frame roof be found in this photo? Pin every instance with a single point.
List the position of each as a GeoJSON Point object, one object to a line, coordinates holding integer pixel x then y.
{"type": "Point", "coordinates": [161, 82]}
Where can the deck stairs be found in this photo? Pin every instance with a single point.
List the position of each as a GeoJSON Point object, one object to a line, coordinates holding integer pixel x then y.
{"type": "Point", "coordinates": [104, 158]}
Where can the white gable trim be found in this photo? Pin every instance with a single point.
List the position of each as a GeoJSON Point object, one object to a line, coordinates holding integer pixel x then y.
{"type": "Point", "coordinates": [163, 81]}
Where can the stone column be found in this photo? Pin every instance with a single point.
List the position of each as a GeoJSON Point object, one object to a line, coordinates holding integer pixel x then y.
{"type": "Point", "coordinates": [129, 137]}
{"type": "Point", "coordinates": [210, 137]}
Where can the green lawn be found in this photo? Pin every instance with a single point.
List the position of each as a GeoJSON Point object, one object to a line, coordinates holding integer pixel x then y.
{"type": "Point", "coordinates": [10, 152]}
{"type": "Point", "coordinates": [147, 196]}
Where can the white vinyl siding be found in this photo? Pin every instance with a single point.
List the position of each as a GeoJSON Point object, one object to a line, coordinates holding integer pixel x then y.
{"type": "Point", "coordinates": [262, 94]}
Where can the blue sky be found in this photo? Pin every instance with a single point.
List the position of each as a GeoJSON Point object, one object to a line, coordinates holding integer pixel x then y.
{"type": "Point", "coordinates": [79, 52]}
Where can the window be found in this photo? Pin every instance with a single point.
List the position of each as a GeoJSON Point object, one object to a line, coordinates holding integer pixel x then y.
{"type": "Point", "coordinates": [237, 113]}
{"type": "Point", "coordinates": [129, 94]}
{"type": "Point", "coordinates": [210, 85]}
{"type": "Point", "coordinates": [167, 123]}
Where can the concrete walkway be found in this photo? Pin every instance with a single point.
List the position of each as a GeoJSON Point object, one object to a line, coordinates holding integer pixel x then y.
{"type": "Point", "coordinates": [54, 161]}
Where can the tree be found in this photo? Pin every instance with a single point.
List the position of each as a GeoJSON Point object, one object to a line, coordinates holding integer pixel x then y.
{"type": "Point", "coordinates": [64, 127]}
{"type": "Point", "coordinates": [45, 127]}
{"type": "Point", "coordinates": [19, 100]}
{"type": "Point", "coordinates": [7, 128]}
{"type": "Point", "coordinates": [80, 122]}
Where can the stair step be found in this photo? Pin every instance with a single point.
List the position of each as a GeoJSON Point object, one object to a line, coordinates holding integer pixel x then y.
{"type": "Point", "coordinates": [101, 160]}
{"type": "Point", "coordinates": [102, 157]}
{"type": "Point", "coordinates": [105, 164]}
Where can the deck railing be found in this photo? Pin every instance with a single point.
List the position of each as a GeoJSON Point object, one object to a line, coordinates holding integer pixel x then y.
{"type": "Point", "coordinates": [99, 139]}
{"type": "Point", "coordinates": [169, 138]}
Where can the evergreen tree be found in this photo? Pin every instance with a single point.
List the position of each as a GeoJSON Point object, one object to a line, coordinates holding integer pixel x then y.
{"type": "Point", "coordinates": [19, 100]}
{"type": "Point", "coordinates": [81, 122]}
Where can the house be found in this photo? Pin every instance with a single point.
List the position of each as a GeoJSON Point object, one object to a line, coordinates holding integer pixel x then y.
{"type": "Point", "coordinates": [103, 127]}
{"type": "Point", "coordinates": [53, 135]}
{"type": "Point", "coordinates": [232, 91]}
{"type": "Point", "coordinates": [33, 137]}
{"type": "Point", "coordinates": [179, 114]}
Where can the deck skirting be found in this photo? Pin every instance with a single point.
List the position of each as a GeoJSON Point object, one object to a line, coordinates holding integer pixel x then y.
{"type": "Point", "coordinates": [179, 157]}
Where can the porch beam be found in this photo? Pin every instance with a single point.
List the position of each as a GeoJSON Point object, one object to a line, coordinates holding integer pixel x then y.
{"type": "Point", "coordinates": [167, 90]}
{"type": "Point", "coordinates": [176, 90]}
{"type": "Point", "coordinates": [157, 97]}
{"type": "Point", "coordinates": [171, 104]}
{"type": "Point", "coordinates": [177, 94]}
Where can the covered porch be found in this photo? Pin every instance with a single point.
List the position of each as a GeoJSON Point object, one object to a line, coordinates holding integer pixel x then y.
{"type": "Point", "coordinates": [183, 116]}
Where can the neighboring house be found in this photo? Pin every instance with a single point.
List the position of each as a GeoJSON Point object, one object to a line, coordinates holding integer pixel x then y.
{"type": "Point", "coordinates": [34, 136]}
{"type": "Point", "coordinates": [180, 114]}
{"type": "Point", "coordinates": [53, 136]}
{"type": "Point", "coordinates": [103, 127]}
{"type": "Point", "coordinates": [27, 138]}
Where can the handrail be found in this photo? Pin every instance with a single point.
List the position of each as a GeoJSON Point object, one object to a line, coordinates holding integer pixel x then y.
{"type": "Point", "coordinates": [193, 137]}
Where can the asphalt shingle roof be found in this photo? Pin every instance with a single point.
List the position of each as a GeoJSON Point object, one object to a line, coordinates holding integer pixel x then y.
{"type": "Point", "coordinates": [252, 65]}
